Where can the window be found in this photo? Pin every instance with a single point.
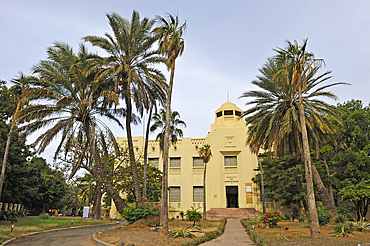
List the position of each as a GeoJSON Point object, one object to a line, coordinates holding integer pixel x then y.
{"type": "Point", "coordinates": [154, 162]}
{"type": "Point", "coordinates": [238, 113]}
{"type": "Point", "coordinates": [174, 194]}
{"type": "Point", "coordinates": [198, 193]}
{"type": "Point", "coordinates": [175, 162]}
{"type": "Point", "coordinates": [230, 161]}
{"type": "Point", "coordinates": [228, 112]}
{"type": "Point", "coordinates": [219, 114]}
{"type": "Point", "coordinates": [197, 162]}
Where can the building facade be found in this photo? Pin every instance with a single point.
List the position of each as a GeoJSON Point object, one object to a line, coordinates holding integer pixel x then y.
{"type": "Point", "coordinates": [229, 171]}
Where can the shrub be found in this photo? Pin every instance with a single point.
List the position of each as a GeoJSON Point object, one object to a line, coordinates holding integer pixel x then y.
{"type": "Point", "coordinates": [44, 216]}
{"type": "Point", "coordinates": [182, 215]}
{"type": "Point", "coordinates": [361, 225]}
{"type": "Point", "coordinates": [258, 240]}
{"type": "Point", "coordinates": [182, 232]}
{"type": "Point", "coordinates": [286, 216]}
{"type": "Point", "coordinates": [193, 215]}
{"type": "Point", "coordinates": [207, 236]}
{"type": "Point", "coordinates": [344, 210]}
{"type": "Point", "coordinates": [271, 218]}
{"type": "Point", "coordinates": [136, 212]}
{"type": "Point", "coordinates": [296, 212]}
{"type": "Point", "coordinates": [10, 215]}
{"type": "Point", "coordinates": [344, 229]}
{"type": "Point", "coordinates": [323, 214]}
{"type": "Point", "coordinates": [301, 218]}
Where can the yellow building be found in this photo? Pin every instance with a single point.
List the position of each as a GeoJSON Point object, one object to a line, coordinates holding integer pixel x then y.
{"type": "Point", "coordinates": [229, 172]}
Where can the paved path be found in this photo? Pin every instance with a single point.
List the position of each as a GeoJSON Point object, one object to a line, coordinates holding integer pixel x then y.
{"type": "Point", "coordinates": [234, 235]}
{"type": "Point", "coordinates": [75, 237]}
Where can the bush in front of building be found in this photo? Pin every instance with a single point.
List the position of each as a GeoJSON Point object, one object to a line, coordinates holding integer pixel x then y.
{"type": "Point", "coordinates": [258, 240]}
{"type": "Point", "coordinates": [271, 218]}
{"type": "Point", "coordinates": [136, 212]}
{"type": "Point", "coordinates": [193, 215]}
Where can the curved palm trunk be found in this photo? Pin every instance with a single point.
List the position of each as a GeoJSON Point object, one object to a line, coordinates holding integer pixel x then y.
{"type": "Point", "coordinates": [164, 201]}
{"type": "Point", "coordinates": [119, 202]}
{"type": "Point", "coordinates": [313, 218]}
{"type": "Point", "coordinates": [326, 198]}
{"type": "Point", "coordinates": [134, 173]}
{"type": "Point", "coordinates": [97, 201]}
{"type": "Point", "coordinates": [146, 154]}
{"type": "Point", "coordinates": [2, 177]}
{"type": "Point", "coordinates": [262, 187]}
{"type": "Point", "coordinates": [204, 193]}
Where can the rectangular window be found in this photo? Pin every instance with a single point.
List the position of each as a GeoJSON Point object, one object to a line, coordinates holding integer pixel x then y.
{"type": "Point", "coordinates": [174, 194]}
{"type": "Point", "coordinates": [230, 161]}
{"type": "Point", "coordinates": [198, 193]}
{"type": "Point", "coordinates": [197, 162]}
{"type": "Point", "coordinates": [175, 162]}
{"type": "Point", "coordinates": [229, 112]}
{"type": "Point", "coordinates": [154, 162]}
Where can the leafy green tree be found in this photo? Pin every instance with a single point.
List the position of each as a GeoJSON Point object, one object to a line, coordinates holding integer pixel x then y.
{"type": "Point", "coordinates": [130, 62]}
{"type": "Point", "coordinates": [171, 45]}
{"type": "Point", "coordinates": [284, 180]}
{"type": "Point", "coordinates": [124, 184]}
{"type": "Point", "coordinates": [351, 163]}
{"type": "Point", "coordinates": [205, 154]}
{"type": "Point", "coordinates": [159, 123]}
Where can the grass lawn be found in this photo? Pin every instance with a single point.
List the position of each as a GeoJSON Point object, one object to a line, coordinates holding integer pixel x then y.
{"type": "Point", "coordinates": [299, 234]}
{"type": "Point", "coordinates": [34, 224]}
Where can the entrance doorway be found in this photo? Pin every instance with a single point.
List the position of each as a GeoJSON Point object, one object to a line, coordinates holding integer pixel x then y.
{"type": "Point", "coordinates": [232, 197]}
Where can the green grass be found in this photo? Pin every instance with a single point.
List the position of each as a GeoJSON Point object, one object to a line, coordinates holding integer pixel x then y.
{"type": "Point", "coordinates": [35, 224]}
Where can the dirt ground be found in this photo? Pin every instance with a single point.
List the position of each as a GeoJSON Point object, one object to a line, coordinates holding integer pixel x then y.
{"type": "Point", "coordinates": [140, 233]}
{"type": "Point", "coordinates": [298, 233]}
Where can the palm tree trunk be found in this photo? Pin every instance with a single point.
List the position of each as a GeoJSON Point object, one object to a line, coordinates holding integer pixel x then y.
{"type": "Point", "coordinates": [97, 201]}
{"type": "Point", "coordinates": [146, 153]}
{"type": "Point", "coordinates": [204, 193]}
{"type": "Point", "coordinates": [330, 188]}
{"type": "Point", "coordinates": [119, 202]}
{"type": "Point", "coordinates": [164, 202]}
{"type": "Point", "coordinates": [2, 177]}
{"type": "Point", "coordinates": [262, 187]}
{"type": "Point", "coordinates": [313, 218]}
{"type": "Point", "coordinates": [326, 199]}
{"type": "Point", "coordinates": [134, 173]}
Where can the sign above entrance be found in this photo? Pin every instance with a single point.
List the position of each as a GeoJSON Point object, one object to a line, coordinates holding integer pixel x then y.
{"type": "Point", "coordinates": [231, 179]}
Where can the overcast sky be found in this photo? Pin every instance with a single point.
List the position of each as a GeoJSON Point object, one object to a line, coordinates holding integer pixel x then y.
{"type": "Point", "coordinates": [226, 42]}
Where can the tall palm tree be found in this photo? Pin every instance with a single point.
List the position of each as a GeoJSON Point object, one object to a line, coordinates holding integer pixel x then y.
{"type": "Point", "coordinates": [171, 45]}
{"type": "Point", "coordinates": [276, 119]}
{"type": "Point", "coordinates": [70, 102]}
{"type": "Point", "coordinates": [20, 90]}
{"type": "Point", "coordinates": [159, 120]}
{"type": "Point", "coordinates": [130, 62]}
{"type": "Point", "coordinates": [205, 154]}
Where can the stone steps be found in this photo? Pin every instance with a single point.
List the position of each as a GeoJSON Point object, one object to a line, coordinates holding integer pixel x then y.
{"type": "Point", "coordinates": [232, 213]}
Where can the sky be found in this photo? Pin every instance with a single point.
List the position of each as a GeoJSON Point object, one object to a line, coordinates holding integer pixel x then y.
{"type": "Point", "coordinates": [226, 42]}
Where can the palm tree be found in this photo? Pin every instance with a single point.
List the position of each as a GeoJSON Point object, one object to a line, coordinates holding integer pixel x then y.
{"type": "Point", "coordinates": [74, 106]}
{"type": "Point", "coordinates": [20, 90]}
{"type": "Point", "coordinates": [171, 45]}
{"type": "Point", "coordinates": [160, 123]}
{"type": "Point", "coordinates": [129, 62]}
{"type": "Point", "coordinates": [276, 119]}
{"type": "Point", "coordinates": [205, 154]}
